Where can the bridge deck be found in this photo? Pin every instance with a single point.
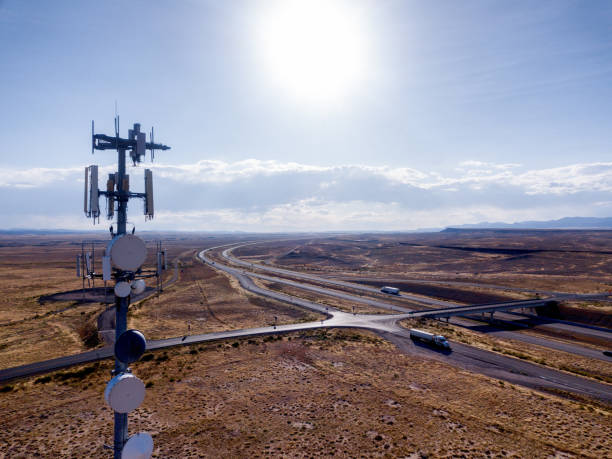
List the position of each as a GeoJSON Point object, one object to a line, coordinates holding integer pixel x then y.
{"type": "Point", "coordinates": [478, 309]}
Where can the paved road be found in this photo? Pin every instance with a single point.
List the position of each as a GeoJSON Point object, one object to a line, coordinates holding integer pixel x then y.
{"type": "Point", "coordinates": [504, 288]}
{"type": "Point", "coordinates": [474, 359]}
{"type": "Point", "coordinates": [541, 341]}
{"type": "Point", "coordinates": [468, 357]}
{"type": "Point", "coordinates": [579, 329]}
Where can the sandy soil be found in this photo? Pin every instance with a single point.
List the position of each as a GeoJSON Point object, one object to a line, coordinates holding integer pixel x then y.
{"type": "Point", "coordinates": [573, 261]}
{"type": "Point", "coordinates": [38, 266]}
{"type": "Point", "coordinates": [205, 300]}
{"type": "Point", "coordinates": [346, 394]}
{"type": "Point", "coordinates": [341, 393]}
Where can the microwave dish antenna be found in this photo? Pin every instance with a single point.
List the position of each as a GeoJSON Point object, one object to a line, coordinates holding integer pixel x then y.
{"type": "Point", "coordinates": [124, 393]}
{"type": "Point", "coordinates": [130, 346]}
{"type": "Point", "coordinates": [139, 446]}
{"type": "Point", "coordinates": [127, 252]}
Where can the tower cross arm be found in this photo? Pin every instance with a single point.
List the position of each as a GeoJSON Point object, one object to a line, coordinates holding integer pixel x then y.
{"type": "Point", "coordinates": [106, 142]}
{"type": "Point", "coordinates": [156, 146]}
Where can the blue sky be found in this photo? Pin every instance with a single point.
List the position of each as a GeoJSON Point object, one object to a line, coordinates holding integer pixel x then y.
{"type": "Point", "coordinates": [409, 114]}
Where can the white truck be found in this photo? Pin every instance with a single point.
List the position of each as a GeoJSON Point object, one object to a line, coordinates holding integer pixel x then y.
{"type": "Point", "coordinates": [391, 290]}
{"type": "Point", "coordinates": [426, 337]}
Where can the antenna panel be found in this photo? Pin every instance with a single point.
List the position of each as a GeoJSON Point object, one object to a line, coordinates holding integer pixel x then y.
{"type": "Point", "coordinates": [88, 262]}
{"type": "Point", "coordinates": [149, 209]}
{"type": "Point", "coordinates": [94, 202]}
{"type": "Point", "coordinates": [106, 268]}
{"type": "Point", "coordinates": [86, 200]}
{"type": "Point", "coordinates": [126, 183]}
{"type": "Point", "coordinates": [110, 204]}
{"type": "Point", "coordinates": [78, 266]}
{"type": "Point", "coordinates": [141, 143]}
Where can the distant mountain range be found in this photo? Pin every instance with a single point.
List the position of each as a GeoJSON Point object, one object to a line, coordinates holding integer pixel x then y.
{"type": "Point", "coordinates": [562, 223]}
{"type": "Point", "coordinates": [567, 223]}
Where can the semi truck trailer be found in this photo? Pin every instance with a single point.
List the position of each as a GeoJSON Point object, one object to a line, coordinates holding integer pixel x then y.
{"type": "Point", "coordinates": [391, 290]}
{"type": "Point", "coordinates": [430, 338]}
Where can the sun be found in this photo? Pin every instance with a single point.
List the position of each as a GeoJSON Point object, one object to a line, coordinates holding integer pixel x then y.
{"type": "Point", "coordinates": [315, 51]}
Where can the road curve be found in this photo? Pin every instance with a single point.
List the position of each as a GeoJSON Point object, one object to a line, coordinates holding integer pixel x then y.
{"type": "Point", "coordinates": [468, 357]}
{"type": "Point", "coordinates": [531, 339]}
{"type": "Point", "coordinates": [473, 359]}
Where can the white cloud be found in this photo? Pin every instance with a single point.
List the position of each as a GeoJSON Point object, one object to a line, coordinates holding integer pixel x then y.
{"type": "Point", "coordinates": [34, 177]}
{"type": "Point", "coordinates": [275, 196]}
{"type": "Point", "coordinates": [472, 164]}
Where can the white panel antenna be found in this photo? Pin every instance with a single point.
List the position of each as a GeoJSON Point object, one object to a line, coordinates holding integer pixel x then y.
{"type": "Point", "coordinates": [93, 210]}
{"type": "Point", "coordinates": [106, 268]}
{"type": "Point", "coordinates": [86, 200]}
{"type": "Point", "coordinates": [149, 208]}
{"type": "Point", "coordinates": [88, 263]}
{"type": "Point", "coordinates": [78, 265]}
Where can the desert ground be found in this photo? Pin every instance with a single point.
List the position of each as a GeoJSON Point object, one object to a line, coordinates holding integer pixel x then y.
{"type": "Point", "coordinates": [342, 393]}
{"type": "Point", "coordinates": [572, 261]}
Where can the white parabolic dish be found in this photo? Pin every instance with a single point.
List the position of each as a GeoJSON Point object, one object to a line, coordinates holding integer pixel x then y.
{"type": "Point", "coordinates": [127, 252]}
{"type": "Point", "coordinates": [139, 446]}
{"type": "Point", "coordinates": [138, 286]}
{"type": "Point", "coordinates": [124, 393]}
{"type": "Point", "coordinates": [122, 289]}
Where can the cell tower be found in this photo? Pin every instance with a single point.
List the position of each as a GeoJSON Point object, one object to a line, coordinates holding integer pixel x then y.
{"type": "Point", "coordinates": [122, 262]}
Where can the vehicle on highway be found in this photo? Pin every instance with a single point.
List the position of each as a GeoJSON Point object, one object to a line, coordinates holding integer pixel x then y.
{"type": "Point", "coordinates": [390, 290]}
{"type": "Point", "coordinates": [430, 338]}
{"type": "Point", "coordinates": [608, 353]}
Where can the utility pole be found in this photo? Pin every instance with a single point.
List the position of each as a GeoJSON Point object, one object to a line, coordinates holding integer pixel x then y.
{"type": "Point", "coordinates": [125, 254]}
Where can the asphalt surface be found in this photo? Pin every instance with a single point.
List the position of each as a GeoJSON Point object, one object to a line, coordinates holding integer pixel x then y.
{"type": "Point", "coordinates": [473, 359]}
{"type": "Point", "coordinates": [540, 341]}
{"type": "Point", "coordinates": [467, 357]}
{"type": "Point", "coordinates": [586, 330]}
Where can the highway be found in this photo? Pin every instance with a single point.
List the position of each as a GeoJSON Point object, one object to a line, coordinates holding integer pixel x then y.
{"type": "Point", "coordinates": [448, 308]}
{"type": "Point", "coordinates": [554, 296]}
{"type": "Point", "coordinates": [467, 357]}
{"type": "Point", "coordinates": [462, 356]}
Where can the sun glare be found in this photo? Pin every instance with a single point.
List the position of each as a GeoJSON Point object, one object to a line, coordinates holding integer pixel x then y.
{"type": "Point", "coordinates": [314, 50]}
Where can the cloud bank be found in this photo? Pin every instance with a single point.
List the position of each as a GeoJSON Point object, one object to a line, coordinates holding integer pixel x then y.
{"type": "Point", "coordinates": [256, 195]}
